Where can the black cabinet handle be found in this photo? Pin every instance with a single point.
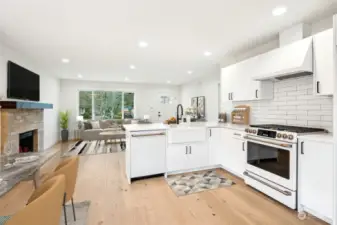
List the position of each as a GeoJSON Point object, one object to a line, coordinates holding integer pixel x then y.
{"type": "Point", "coordinates": [302, 150]}
{"type": "Point", "coordinates": [186, 150]}
{"type": "Point", "coordinates": [317, 87]}
{"type": "Point", "coordinates": [229, 96]}
{"type": "Point", "coordinates": [210, 132]}
{"type": "Point", "coordinates": [232, 96]}
{"type": "Point", "coordinates": [256, 93]}
{"type": "Point", "coordinates": [190, 150]}
{"type": "Point", "coordinates": [243, 146]}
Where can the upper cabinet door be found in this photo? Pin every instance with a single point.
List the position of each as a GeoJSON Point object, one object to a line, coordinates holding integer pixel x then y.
{"type": "Point", "coordinates": [323, 63]}
{"type": "Point", "coordinates": [228, 75]}
{"type": "Point", "coordinates": [237, 83]}
{"type": "Point", "coordinates": [256, 90]}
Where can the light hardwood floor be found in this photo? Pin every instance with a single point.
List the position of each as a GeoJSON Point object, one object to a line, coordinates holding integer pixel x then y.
{"type": "Point", "coordinates": [151, 202]}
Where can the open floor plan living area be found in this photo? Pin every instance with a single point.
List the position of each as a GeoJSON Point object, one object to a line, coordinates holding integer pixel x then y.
{"type": "Point", "coordinates": [168, 112]}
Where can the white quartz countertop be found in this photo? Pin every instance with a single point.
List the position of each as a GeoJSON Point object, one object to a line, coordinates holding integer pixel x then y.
{"type": "Point", "coordinates": [327, 137]}
{"type": "Point", "coordinates": [227, 125]}
{"type": "Point", "coordinates": [161, 126]}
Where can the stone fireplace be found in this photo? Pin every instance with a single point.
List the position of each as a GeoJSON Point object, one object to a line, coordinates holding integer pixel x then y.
{"type": "Point", "coordinates": [28, 141]}
{"type": "Point", "coordinates": [21, 130]}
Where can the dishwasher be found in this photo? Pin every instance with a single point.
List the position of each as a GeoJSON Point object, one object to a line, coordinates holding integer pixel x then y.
{"type": "Point", "coordinates": [147, 153]}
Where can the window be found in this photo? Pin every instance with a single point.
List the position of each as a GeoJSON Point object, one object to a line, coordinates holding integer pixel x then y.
{"type": "Point", "coordinates": [106, 105]}
{"type": "Point", "coordinates": [86, 104]}
{"type": "Point", "coordinates": [128, 107]}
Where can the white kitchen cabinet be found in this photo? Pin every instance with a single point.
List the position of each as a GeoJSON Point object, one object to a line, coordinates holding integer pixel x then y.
{"type": "Point", "coordinates": [315, 178]}
{"type": "Point", "coordinates": [238, 154]}
{"type": "Point", "coordinates": [225, 155]}
{"type": "Point", "coordinates": [227, 81]}
{"type": "Point", "coordinates": [187, 156]}
{"type": "Point", "coordinates": [237, 83]}
{"type": "Point", "coordinates": [261, 90]}
{"type": "Point", "coordinates": [215, 146]}
{"type": "Point", "coordinates": [233, 154]}
{"type": "Point", "coordinates": [176, 157]}
{"type": "Point", "coordinates": [323, 62]}
{"type": "Point", "coordinates": [198, 155]}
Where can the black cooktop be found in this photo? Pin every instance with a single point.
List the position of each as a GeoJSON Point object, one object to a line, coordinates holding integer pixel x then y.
{"type": "Point", "coordinates": [288, 128]}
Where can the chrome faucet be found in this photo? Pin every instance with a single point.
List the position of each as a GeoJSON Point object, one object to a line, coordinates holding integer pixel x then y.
{"type": "Point", "coordinates": [182, 113]}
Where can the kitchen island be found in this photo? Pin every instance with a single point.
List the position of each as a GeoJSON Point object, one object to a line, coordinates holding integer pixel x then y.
{"type": "Point", "coordinates": [154, 149]}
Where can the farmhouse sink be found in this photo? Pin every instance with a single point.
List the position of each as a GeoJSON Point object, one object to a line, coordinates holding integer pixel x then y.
{"type": "Point", "coordinates": [184, 133]}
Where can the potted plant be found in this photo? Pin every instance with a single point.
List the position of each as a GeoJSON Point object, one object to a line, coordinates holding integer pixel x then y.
{"type": "Point", "coordinates": [64, 120]}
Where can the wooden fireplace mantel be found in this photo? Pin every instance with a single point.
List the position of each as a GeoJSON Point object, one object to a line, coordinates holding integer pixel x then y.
{"type": "Point", "coordinates": [24, 105]}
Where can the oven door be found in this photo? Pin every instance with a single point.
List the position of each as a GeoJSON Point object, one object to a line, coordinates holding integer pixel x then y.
{"type": "Point", "coordinates": [272, 160]}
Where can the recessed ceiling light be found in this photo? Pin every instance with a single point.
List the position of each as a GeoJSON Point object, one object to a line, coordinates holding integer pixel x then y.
{"type": "Point", "coordinates": [168, 81]}
{"type": "Point", "coordinates": [79, 75]}
{"type": "Point", "coordinates": [143, 44]}
{"type": "Point", "coordinates": [65, 60]}
{"type": "Point", "coordinates": [190, 72]}
{"type": "Point", "coordinates": [207, 53]}
{"type": "Point", "coordinates": [280, 10]}
{"type": "Point", "coordinates": [126, 78]}
{"type": "Point", "coordinates": [132, 67]}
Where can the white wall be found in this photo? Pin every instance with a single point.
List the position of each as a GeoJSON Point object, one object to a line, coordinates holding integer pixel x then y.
{"type": "Point", "coordinates": [208, 87]}
{"type": "Point", "coordinates": [49, 90]}
{"type": "Point", "coordinates": [147, 97]}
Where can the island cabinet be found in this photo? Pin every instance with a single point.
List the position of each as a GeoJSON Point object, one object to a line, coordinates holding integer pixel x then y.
{"type": "Point", "coordinates": [315, 178]}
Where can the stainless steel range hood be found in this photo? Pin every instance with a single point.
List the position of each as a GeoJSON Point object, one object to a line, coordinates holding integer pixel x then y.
{"type": "Point", "coordinates": [293, 60]}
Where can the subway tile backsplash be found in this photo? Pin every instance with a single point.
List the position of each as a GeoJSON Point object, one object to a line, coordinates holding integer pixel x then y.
{"type": "Point", "coordinates": [293, 104]}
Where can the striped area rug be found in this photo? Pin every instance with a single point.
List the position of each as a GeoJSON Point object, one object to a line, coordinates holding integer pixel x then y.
{"type": "Point", "coordinates": [94, 148]}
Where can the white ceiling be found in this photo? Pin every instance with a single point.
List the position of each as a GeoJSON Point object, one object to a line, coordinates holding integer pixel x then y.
{"type": "Point", "coordinates": [101, 37]}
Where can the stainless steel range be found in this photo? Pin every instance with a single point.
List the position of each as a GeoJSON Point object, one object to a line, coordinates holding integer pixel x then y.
{"type": "Point", "coordinates": [271, 165]}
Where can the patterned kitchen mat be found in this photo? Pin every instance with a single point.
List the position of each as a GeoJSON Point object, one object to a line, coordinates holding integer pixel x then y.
{"type": "Point", "coordinates": [190, 183]}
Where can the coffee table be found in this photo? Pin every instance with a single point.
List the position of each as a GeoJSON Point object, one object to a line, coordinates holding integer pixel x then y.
{"type": "Point", "coordinates": [114, 135]}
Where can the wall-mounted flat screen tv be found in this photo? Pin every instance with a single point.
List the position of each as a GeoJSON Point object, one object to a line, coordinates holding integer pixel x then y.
{"type": "Point", "coordinates": [22, 83]}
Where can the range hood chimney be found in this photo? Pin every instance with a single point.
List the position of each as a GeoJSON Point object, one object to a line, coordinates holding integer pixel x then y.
{"type": "Point", "coordinates": [292, 59]}
{"type": "Point", "coordinates": [294, 34]}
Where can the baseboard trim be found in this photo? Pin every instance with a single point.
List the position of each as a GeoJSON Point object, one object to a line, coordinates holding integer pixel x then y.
{"type": "Point", "coordinates": [218, 166]}
{"type": "Point", "coordinates": [232, 172]}
{"type": "Point", "coordinates": [193, 170]}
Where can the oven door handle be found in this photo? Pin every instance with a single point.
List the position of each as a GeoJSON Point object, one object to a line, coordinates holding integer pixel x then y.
{"type": "Point", "coordinates": [287, 193]}
{"type": "Point", "coordinates": [269, 143]}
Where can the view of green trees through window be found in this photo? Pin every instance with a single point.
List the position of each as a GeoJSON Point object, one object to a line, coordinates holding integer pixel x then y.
{"type": "Point", "coordinates": [106, 105]}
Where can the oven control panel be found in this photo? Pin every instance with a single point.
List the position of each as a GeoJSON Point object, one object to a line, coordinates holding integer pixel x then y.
{"type": "Point", "coordinates": [278, 135]}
